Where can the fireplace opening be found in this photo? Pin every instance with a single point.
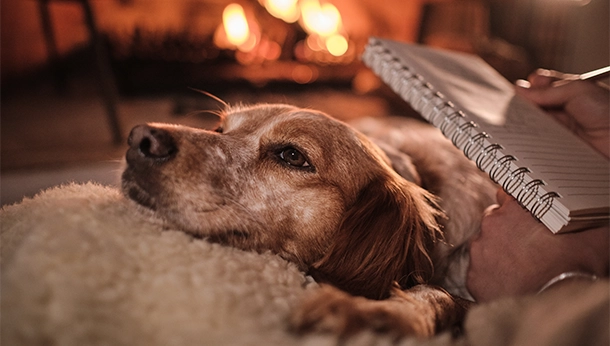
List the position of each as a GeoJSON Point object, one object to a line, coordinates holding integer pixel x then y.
{"type": "Point", "coordinates": [222, 43]}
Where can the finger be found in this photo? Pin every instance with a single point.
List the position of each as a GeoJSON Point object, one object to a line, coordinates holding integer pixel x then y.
{"type": "Point", "coordinates": [556, 96]}
{"type": "Point", "coordinates": [540, 78]}
{"type": "Point", "coordinates": [501, 196]}
{"type": "Point", "coordinates": [523, 83]}
{"type": "Point", "coordinates": [544, 77]}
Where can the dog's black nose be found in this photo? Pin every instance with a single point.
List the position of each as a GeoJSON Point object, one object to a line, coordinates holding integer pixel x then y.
{"type": "Point", "coordinates": [151, 143]}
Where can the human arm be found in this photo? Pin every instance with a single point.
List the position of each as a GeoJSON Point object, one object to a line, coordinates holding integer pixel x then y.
{"type": "Point", "coordinates": [516, 254]}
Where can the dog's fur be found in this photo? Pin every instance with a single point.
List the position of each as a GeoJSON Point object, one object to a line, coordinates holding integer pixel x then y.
{"type": "Point", "coordinates": [322, 195]}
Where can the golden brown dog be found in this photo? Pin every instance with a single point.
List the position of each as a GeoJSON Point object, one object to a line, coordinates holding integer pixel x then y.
{"type": "Point", "coordinates": [320, 194]}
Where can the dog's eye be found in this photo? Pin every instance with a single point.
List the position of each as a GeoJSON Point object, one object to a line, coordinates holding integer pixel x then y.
{"type": "Point", "coordinates": [218, 129]}
{"type": "Point", "coordinates": [294, 157]}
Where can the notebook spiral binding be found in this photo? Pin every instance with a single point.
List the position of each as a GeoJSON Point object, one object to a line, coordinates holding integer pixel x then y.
{"type": "Point", "coordinates": [464, 134]}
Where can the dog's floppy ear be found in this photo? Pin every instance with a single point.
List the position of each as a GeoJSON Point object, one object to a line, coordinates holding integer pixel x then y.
{"type": "Point", "coordinates": [400, 162]}
{"type": "Point", "coordinates": [382, 239]}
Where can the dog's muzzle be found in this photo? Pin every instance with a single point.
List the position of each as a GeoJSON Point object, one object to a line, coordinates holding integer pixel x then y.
{"type": "Point", "coordinates": [150, 145]}
{"type": "Point", "coordinates": [149, 148]}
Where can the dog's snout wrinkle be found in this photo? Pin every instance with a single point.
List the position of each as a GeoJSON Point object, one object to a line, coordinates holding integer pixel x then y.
{"type": "Point", "coordinates": [152, 142]}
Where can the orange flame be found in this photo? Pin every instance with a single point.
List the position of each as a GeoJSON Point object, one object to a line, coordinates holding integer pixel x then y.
{"type": "Point", "coordinates": [323, 20]}
{"type": "Point", "coordinates": [235, 24]}
{"type": "Point", "coordinates": [336, 44]}
{"type": "Point", "coordinates": [285, 10]}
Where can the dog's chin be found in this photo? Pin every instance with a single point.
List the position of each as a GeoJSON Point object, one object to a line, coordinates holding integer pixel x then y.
{"type": "Point", "coordinates": [141, 197]}
{"type": "Point", "coordinates": [135, 192]}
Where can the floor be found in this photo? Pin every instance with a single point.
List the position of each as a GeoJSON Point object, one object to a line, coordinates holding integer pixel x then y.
{"type": "Point", "coordinates": [50, 137]}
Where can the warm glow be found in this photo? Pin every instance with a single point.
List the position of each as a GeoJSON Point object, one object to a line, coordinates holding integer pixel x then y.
{"type": "Point", "coordinates": [323, 20]}
{"type": "Point", "coordinates": [249, 44]}
{"type": "Point", "coordinates": [315, 43]}
{"type": "Point", "coordinates": [286, 10]}
{"type": "Point", "coordinates": [303, 74]}
{"type": "Point", "coordinates": [235, 24]}
{"type": "Point", "coordinates": [336, 45]}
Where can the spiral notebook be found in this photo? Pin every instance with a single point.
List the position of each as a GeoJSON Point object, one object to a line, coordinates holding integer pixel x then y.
{"type": "Point", "coordinates": [551, 172]}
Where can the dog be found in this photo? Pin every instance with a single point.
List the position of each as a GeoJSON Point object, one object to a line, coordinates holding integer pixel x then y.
{"type": "Point", "coordinates": [380, 218]}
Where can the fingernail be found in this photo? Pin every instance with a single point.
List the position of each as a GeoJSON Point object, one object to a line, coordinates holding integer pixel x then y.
{"type": "Point", "coordinates": [523, 83]}
{"type": "Point", "coordinates": [545, 72]}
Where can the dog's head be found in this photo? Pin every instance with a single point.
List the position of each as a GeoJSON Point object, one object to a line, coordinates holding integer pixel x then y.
{"type": "Point", "coordinates": [292, 181]}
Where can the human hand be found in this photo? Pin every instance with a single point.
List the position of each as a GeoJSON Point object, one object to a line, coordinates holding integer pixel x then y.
{"type": "Point", "coordinates": [515, 254]}
{"type": "Point", "coordinates": [582, 106]}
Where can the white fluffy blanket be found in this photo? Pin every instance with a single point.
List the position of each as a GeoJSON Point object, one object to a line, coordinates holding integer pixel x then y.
{"type": "Point", "coordinates": [83, 266]}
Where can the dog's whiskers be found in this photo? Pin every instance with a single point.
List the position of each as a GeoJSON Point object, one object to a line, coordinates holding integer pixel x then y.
{"type": "Point", "coordinates": [114, 161]}
{"type": "Point", "coordinates": [217, 113]}
{"type": "Point", "coordinates": [212, 96]}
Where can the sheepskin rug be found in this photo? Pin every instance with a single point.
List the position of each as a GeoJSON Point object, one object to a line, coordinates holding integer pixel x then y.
{"type": "Point", "coordinates": [81, 265]}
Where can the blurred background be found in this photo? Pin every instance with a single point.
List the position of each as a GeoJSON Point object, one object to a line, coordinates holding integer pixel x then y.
{"type": "Point", "coordinates": [78, 74]}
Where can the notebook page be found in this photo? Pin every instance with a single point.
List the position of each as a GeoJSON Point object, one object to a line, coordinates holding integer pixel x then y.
{"type": "Point", "coordinates": [564, 162]}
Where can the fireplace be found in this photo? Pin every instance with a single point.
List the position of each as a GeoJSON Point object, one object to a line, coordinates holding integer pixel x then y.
{"type": "Point", "coordinates": [174, 39]}
{"type": "Point", "coordinates": [164, 45]}
{"type": "Point", "coordinates": [222, 43]}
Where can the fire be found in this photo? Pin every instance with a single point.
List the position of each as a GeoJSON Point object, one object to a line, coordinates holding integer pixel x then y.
{"type": "Point", "coordinates": [235, 24]}
{"type": "Point", "coordinates": [321, 21]}
{"type": "Point", "coordinates": [324, 21]}
{"type": "Point", "coordinates": [336, 44]}
{"type": "Point", "coordinates": [285, 10]}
